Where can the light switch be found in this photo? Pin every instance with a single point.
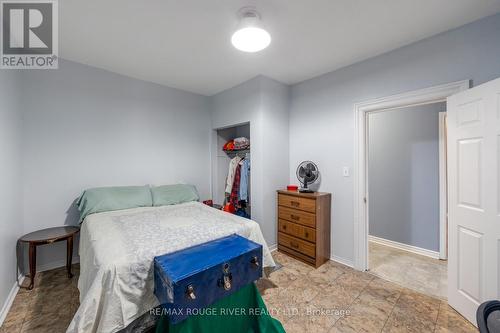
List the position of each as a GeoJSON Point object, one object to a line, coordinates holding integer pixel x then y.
{"type": "Point", "coordinates": [345, 171]}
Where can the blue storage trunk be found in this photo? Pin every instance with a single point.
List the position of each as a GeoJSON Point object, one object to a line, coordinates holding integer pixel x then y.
{"type": "Point", "coordinates": [191, 279]}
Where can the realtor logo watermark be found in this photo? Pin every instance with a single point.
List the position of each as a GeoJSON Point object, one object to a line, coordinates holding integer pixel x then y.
{"type": "Point", "coordinates": [29, 36]}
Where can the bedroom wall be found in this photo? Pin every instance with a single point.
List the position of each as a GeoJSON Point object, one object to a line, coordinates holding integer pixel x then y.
{"type": "Point", "coordinates": [322, 116]}
{"type": "Point", "coordinates": [10, 189]}
{"type": "Point", "coordinates": [403, 167]}
{"type": "Point", "coordinates": [264, 103]}
{"type": "Point", "coordinates": [275, 121]}
{"type": "Point", "coordinates": [85, 127]}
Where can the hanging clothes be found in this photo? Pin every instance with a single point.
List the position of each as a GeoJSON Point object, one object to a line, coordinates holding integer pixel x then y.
{"type": "Point", "coordinates": [236, 186]}
{"type": "Point", "coordinates": [233, 164]}
{"type": "Point", "coordinates": [244, 173]}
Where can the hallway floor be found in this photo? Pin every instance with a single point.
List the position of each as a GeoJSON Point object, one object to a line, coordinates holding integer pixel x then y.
{"type": "Point", "coordinates": [413, 271]}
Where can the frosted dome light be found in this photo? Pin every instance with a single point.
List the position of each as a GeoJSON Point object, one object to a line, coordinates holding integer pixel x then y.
{"type": "Point", "coordinates": [250, 37]}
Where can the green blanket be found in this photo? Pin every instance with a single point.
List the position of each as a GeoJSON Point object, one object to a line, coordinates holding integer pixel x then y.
{"type": "Point", "coordinates": [243, 312]}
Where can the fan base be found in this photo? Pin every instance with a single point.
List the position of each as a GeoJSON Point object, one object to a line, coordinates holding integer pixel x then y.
{"type": "Point", "coordinates": [305, 190]}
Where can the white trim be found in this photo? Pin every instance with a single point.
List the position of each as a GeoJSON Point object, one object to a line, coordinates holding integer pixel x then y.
{"type": "Point", "coordinates": [15, 289]}
{"type": "Point", "coordinates": [404, 247]}
{"type": "Point", "coordinates": [443, 202]}
{"type": "Point", "coordinates": [361, 110]}
{"type": "Point", "coordinates": [273, 247]}
{"type": "Point", "coordinates": [10, 299]}
{"type": "Point", "coordinates": [342, 261]}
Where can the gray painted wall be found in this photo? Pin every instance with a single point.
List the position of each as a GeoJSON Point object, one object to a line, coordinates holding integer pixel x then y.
{"type": "Point", "coordinates": [403, 168]}
{"type": "Point", "coordinates": [10, 180]}
{"type": "Point", "coordinates": [264, 103]}
{"type": "Point", "coordinates": [322, 116]}
{"type": "Point", "coordinates": [85, 127]}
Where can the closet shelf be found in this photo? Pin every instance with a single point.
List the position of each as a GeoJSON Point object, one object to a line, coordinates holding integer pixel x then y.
{"type": "Point", "coordinates": [236, 152]}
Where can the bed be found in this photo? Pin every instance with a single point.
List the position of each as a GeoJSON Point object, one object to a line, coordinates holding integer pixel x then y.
{"type": "Point", "coordinates": [117, 250]}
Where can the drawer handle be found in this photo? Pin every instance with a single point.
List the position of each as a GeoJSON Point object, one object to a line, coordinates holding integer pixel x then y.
{"type": "Point", "coordinates": [294, 245]}
{"type": "Point", "coordinates": [307, 234]}
{"type": "Point", "coordinates": [295, 203]}
{"type": "Point", "coordinates": [295, 217]}
{"type": "Point", "coordinates": [284, 227]}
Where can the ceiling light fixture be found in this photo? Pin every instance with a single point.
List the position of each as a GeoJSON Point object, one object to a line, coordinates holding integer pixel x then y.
{"type": "Point", "coordinates": [250, 36]}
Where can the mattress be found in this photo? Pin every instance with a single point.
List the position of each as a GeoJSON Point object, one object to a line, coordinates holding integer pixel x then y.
{"type": "Point", "coordinates": [116, 257]}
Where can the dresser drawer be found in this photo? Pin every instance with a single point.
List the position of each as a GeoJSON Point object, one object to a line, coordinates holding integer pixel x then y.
{"type": "Point", "coordinates": [308, 205]}
{"type": "Point", "coordinates": [297, 216]}
{"type": "Point", "coordinates": [297, 255]}
{"type": "Point", "coordinates": [297, 230]}
{"type": "Point", "coordinates": [297, 244]}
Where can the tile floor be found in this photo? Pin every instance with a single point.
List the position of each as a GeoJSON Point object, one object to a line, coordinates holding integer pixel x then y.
{"type": "Point", "coordinates": [332, 298]}
{"type": "Point", "coordinates": [49, 307]}
{"type": "Point", "coordinates": [420, 273]}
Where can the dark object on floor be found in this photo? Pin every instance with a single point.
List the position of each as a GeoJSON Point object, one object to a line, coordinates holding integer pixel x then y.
{"type": "Point", "coordinates": [209, 272]}
{"type": "Point", "coordinates": [49, 236]}
{"type": "Point", "coordinates": [488, 317]}
{"type": "Point", "coordinates": [243, 311]}
{"type": "Point", "coordinates": [229, 207]}
{"type": "Point", "coordinates": [211, 204]}
{"type": "Point", "coordinates": [241, 212]}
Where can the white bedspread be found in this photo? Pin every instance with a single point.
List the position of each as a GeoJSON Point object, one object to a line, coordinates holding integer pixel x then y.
{"type": "Point", "coordinates": [117, 250]}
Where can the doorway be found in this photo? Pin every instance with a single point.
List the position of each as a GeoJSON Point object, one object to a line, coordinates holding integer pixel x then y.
{"type": "Point", "coordinates": [404, 210]}
{"type": "Point", "coordinates": [221, 158]}
{"type": "Point", "coordinates": [426, 96]}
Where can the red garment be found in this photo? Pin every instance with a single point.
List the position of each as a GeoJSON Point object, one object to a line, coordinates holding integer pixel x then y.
{"type": "Point", "coordinates": [236, 186]}
{"type": "Point", "coordinates": [229, 145]}
{"type": "Point", "coordinates": [229, 208]}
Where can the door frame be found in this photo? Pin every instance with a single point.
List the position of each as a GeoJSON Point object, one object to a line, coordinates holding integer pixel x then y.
{"type": "Point", "coordinates": [361, 110]}
{"type": "Point", "coordinates": [443, 189]}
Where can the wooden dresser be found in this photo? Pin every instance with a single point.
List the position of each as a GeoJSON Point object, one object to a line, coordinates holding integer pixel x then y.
{"type": "Point", "coordinates": [304, 226]}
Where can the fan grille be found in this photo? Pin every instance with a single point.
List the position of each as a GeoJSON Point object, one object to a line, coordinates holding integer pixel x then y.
{"type": "Point", "coordinates": [307, 170]}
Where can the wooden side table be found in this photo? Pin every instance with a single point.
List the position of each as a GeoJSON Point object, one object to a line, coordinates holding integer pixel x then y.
{"type": "Point", "coordinates": [49, 236]}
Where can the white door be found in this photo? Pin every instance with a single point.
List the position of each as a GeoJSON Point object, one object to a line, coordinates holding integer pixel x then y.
{"type": "Point", "coordinates": [473, 198]}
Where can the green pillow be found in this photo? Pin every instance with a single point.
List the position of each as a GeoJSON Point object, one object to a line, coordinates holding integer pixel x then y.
{"type": "Point", "coordinates": [174, 194]}
{"type": "Point", "coordinates": [104, 199]}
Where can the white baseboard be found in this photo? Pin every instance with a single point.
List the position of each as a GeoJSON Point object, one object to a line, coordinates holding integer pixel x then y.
{"type": "Point", "coordinates": [10, 299]}
{"type": "Point", "coordinates": [13, 292]}
{"type": "Point", "coordinates": [404, 247]}
{"type": "Point", "coordinates": [342, 261]}
{"type": "Point", "coordinates": [273, 247]}
{"type": "Point", "coordinates": [55, 264]}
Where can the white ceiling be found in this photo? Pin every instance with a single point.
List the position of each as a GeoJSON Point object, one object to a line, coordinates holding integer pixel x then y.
{"type": "Point", "coordinates": [185, 44]}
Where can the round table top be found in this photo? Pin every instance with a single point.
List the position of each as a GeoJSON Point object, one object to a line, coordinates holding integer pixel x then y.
{"type": "Point", "coordinates": [50, 234]}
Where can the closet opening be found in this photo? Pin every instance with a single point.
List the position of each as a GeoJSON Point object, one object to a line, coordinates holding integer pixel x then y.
{"type": "Point", "coordinates": [232, 167]}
